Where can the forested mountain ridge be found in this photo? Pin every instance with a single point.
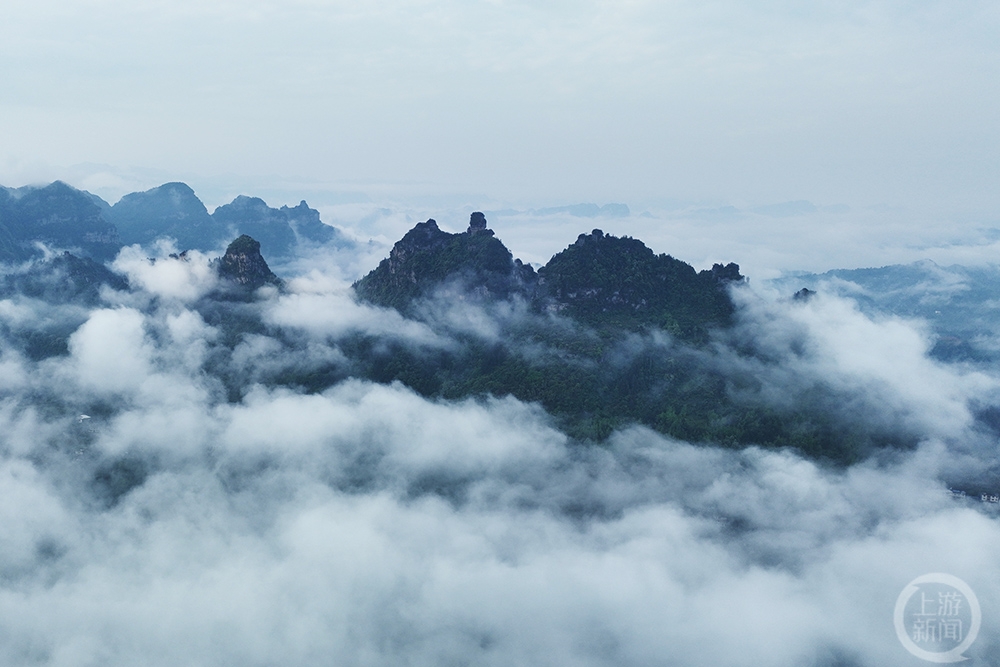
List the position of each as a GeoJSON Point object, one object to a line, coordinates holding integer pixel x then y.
{"type": "Point", "coordinates": [427, 257]}
{"type": "Point", "coordinates": [56, 215]}
{"type": "Point", "coordinates": [610, 333]}
{"type": "Point", "coordinates": [171, 209]}
{"type": "Point", "coordinates": [282, 231]}
{"type": "Point", "coordinates": [603, 281]}
{"type": "Point", "coordinates": [607, 281]}
{"type": "Point", "coordinates": [606, 334]}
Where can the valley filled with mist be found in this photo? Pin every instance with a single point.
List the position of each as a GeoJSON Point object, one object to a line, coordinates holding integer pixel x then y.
{"type": "Point", "coordinates": [254, 437]}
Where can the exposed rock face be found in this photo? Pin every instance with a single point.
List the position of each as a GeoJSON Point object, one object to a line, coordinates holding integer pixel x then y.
{"type": "Point", "coordinates": [243, 265]}
{"type": "Point", "coordinates": [477, 225]}
{"type": "Point", "coordinates": [427, 257]}
{"type": "Point", "coordinates": [56, 215]}
{"type": "Point", "coordinates": [171, 209]}
{"type": "Point", "coordinates": [279, 230]}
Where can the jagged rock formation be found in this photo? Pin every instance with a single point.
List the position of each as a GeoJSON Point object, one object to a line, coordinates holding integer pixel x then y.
{"type": "Point", "coordinates": [280, 231]}
{"type": "Point", "coordinates": [427, 258]}
{"type": "Point", "coordinates": [601, 280]}
{"type": "Point", "coordinates": [605, 280]}
{"type": "Point", "coordinates": [57, 215]}
{"type": "Point", "coordinates": [243, 266]}
{"type": "Point", "coordinates": [171, 209]}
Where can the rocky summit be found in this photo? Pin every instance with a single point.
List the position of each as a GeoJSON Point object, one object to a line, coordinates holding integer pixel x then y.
{"type": "Point", "coordinates": [610, 281]}
{"type": "Point", "coordinates": [283, 231]}
{"type": "Point", "coordinates": [601, 280]}
{"type": "Point", "coordinates": [243, 266]}
{"type": "Point", "coordinates": [428, 258]}
{"type": "Point", "coordinates": [171, 209]}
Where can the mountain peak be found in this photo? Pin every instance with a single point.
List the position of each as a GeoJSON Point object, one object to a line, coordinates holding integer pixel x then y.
{"type": "Point", "coordinates": [605, 280]}
{"type": "Point", "coordinates": [427, 257]}
{"type": "Point", "coordinates": [477, 224]}
{"type": "Point", "coordinates": [282, 231]}
{"type": "Point", "coordinates": [59, 216]}
{"type": "Point", "coordinates": [171, 209]}
{"type": "Point", "coordinates": [245, 266]}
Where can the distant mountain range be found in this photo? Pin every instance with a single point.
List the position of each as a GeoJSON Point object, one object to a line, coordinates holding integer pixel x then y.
{"type": "Point", "coordinates": [959, 303]}
{"type": "Point", "coordinates": [64, 218]}
{"type": "Point", "coordinates": [56, 215]}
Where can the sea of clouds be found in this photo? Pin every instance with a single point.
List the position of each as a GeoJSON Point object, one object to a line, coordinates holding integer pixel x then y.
{"type": "Point", "coordinates": [177, 524]}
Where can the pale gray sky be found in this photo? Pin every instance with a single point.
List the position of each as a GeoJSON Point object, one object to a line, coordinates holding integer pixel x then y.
{"type": "Point", "coordinates": [542, 102]}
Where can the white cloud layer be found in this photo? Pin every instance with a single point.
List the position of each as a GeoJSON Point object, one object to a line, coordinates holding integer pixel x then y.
{"type": "Point", "coordinates": [367, 525]}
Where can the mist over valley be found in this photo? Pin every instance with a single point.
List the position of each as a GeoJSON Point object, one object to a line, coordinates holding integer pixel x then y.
{"type": "Point", "coordinates": [252, 437]}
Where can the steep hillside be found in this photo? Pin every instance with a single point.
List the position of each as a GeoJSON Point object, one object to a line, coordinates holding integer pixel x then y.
{"type": "Point", "coordinates": [427, 258]}
{"type": "Point", "coordinates": [282, 232]}
{"type": "Point", "coordinates": [56, 215]}
{"type": "Point", "coordinates": [601, 280]}
{"type": "Point", "coordinates": [172, 210]}
{"type": "Point", "coordinates": [607, 281]}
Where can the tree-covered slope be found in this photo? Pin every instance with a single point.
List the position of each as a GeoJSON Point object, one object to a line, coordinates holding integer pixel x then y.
{"type": "Point", "coordinates": [607, 281]}
{"type": "Point", "coordinates": [282, 232]}
{"type": "Point", "coordinates": [602, 281]}
{"type": "Point", "coordinates": [170, 210]}
{"type": "Point", "coordinates": [588, 343]}
{"type": "Point", "coordinates": [56, 215]}
{"type": "Point", "coordinates": [427, 258]}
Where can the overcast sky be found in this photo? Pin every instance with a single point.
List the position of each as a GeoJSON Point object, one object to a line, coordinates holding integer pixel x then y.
{"type": "Point", "coordinates": [751, 103]}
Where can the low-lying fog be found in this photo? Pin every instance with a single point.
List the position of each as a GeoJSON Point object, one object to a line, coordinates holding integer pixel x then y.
{"type": "Point", "coordinates": [150, 518]}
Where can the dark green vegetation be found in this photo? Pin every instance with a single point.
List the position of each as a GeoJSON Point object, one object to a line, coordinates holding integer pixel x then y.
{"type": "Point", "coordinates": [618, 283]}
{"type": "Point", "coordinates": [606, 334]}
{"type": "Point", "coordinates": [593, 387]}
{"type": "Point", "coordinates": [427, 258]}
